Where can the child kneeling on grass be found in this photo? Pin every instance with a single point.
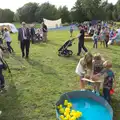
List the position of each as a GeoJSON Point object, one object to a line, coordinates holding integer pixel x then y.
{"type": "Point", "coordinates": [109, 79]}
{"type": "Point", "coordinates": [84, 65]}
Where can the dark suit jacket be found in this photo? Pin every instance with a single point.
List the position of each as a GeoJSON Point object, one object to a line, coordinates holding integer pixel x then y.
{"type": "Point", "coordinates": [20, 34]}
{"type": "Point", "coordinates": [32, 31]}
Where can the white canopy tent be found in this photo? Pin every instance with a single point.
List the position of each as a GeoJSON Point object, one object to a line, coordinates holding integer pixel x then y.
{"type": "Point", "coordinates": [53, 23]}
{"type": "Point", "coordinates": [11, 27]}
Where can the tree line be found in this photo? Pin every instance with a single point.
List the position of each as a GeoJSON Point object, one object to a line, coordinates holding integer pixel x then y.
{"type": "Point", "coordinates": [83, 10]}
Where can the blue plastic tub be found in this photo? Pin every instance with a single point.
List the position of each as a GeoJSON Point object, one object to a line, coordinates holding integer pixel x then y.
{"type": "Point", "coordinates": [93, 107]}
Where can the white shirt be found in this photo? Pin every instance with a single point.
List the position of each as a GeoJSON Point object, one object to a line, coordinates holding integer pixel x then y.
{"type": "Point", "coordinates": [7, 36]}
{"type": "Point", "coordinates": [80, 70]}
{"type": "Point", "coordinates": [24, 29]}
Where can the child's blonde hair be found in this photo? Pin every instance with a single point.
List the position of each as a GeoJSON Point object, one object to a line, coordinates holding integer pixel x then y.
{"type": "Point", "coordinates": [107, 64]}
{"type": "Point", "coordinates": [97, 56]}
{"type": "Point", "coordinates": [87, 60]}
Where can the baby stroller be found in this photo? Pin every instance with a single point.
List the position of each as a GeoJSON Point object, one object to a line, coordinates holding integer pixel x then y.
{"type": "Point", "coordinates": [63, 51]}
{"type": "Point", "coordinates": [38, 36]}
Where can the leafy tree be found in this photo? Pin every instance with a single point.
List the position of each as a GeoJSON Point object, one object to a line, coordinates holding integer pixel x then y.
{"type": "Point", "coordinates": [6, 15]}
{"type": "Point", "coordinates": [64, 14]}
{"type": "Point", "coordinates": [47, 11]}
{"type": "Point", "coordinates": [27, 12]}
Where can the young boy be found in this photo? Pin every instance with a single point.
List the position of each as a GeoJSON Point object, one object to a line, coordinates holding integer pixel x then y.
{"type": "Point", "coordinates": [95, 39]}
{"type": "Point", "coordinates": [109, 79]}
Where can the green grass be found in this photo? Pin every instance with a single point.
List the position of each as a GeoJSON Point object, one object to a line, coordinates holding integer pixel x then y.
{"type": "Point", "coordinates": [37, 84]}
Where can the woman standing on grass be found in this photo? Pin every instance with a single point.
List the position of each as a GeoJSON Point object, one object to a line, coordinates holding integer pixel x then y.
{"type": "Point", "coordinates": [102, 37]}
{"type": "Point", "coordinates": [71, 30]}
{"type": "Point", "coordinates": [8, 40]}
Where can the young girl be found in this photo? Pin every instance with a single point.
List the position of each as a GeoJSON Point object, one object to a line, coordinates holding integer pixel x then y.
{"type": "Point", "coordinates": [106, 38]}
{"type": "Point", "coordinates": [102, 37]}
{"type": "Point", "coordinates": [109, 79]}
{"type": "Point", "coordinates": [95, 39]}
{"type": "Point", "coordinates": [71, 31]}
{"type": "Point", "coordinates": [84, 65]}
{"type": "Point", "coordinates": [8, 40]}
{"type": "Point", "coordinates": [97, 68]}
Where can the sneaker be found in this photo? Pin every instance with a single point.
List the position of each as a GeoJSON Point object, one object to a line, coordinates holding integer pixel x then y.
{"type": "Point", "coordinates": [97, 93]}
{"type": "Point", "coordinates": [82, 89]}
{"type": "Point", "coordinates": [93, 91]}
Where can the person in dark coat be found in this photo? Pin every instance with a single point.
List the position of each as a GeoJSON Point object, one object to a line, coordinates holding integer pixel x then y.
{"type": "Point", "coordinates": [81, 41]}
{"type": "Point", "coordinates": [32, 34]}
{"type": "Point", "coordinates": [24, 38]}
{"type": "Point", "coordinates": [45, 30]}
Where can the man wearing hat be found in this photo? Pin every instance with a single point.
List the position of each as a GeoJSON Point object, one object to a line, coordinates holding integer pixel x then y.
{"type": "Point", "coordinates": [24, 38]}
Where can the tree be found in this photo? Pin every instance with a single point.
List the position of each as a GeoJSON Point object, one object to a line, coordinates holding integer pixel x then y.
{"type": "Point", "coordinates": [6, 15]}
{"type": "Point", "coordinates": [27, 12]}
{"type": "Point", "coordinates": [16, 17]}
{"type": "Point", "coordinates": [48, 11]}
{"type": "Point", "coordinates": [64, 14]}
{"type": "Point", "coordinates": [86, 10]}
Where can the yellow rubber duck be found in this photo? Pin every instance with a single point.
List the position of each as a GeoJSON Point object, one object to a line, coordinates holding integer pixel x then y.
{"type": "Point", "coordinates": [77, 114]}
{"type": "Point", "coordinates": [67, 110]}
{"type": "Point", "coordinates": [62, 110]}
{"type": "Point", "coordinates": [72, 113]}
{"type": "Point", "coordinates": [68, 117]}
{"type": "Point", "coordinates": [69, 105]}
{"type": "Point", "coordinates": [62, 117]}
{"type": "Point", "coordinates": [73, 118]}
{"type": "Point", "coordinates": [61, 106]}
{"type": "Point", "coordinates": [65, 102]}
{"type": "Point", "coordinates": [65, 114]}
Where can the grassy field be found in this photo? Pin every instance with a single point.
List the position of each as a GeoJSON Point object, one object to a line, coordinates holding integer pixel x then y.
{"type": "Point", "coordinates": [36, 84]}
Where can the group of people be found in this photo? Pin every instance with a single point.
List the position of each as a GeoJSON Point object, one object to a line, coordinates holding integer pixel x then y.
{"type": "Point", "coordinates": [25, 34]}
{"type": "Point", "coordinates": [93, 67]}
{"type": "Point", "coordinates": [5, 35]}
{"type": "Point", "coordinates": [104, 35]}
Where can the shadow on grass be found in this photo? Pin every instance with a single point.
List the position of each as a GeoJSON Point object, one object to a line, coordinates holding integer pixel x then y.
{"type": "Point", "coordinates": [10, 105]}
{"type": "Point", "coordinates": [55, 44]}
{"type": "Point", "coordinates": [74, 58]}
{"type": "Point", "coordinates": [43, 68]}
{"type": "Point", "coordinates": [116, 108]}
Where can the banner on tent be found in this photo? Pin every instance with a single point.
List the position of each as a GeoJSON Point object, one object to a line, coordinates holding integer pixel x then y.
{"type": "Point", "coordinates": [53, 23]}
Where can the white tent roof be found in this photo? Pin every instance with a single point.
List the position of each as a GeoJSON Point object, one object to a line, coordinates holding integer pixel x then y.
{"type": "Point", "coordinates": [12, 27]}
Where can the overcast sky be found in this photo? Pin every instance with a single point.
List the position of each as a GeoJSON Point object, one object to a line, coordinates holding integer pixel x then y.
{"type": "Point", "coordinates": [15, 4]}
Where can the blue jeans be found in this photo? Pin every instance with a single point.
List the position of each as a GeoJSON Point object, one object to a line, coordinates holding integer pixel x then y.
{"type": "Point", "coordinates": [106, 94]}
{"type": "Point", "coordinates": [10, 49]}
{"type": "Point", "coordinates": [95, 44]}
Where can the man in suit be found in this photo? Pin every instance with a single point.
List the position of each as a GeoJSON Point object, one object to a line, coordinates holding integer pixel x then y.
{"type": "Point", "coordinates": [24, 38]}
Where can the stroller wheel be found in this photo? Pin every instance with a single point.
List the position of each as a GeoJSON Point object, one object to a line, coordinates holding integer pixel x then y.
{"type": "Point", "coordinates": [59, 54]}
{"type": "Point", "coordinates": [70, 52]}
